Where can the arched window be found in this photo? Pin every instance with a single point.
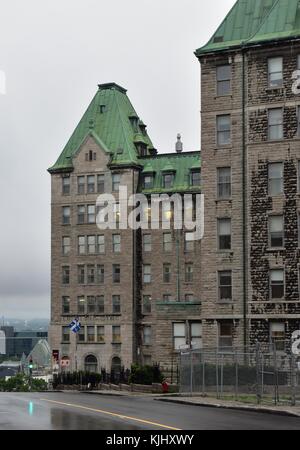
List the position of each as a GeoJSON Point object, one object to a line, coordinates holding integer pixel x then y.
{"type": "Point", "coordinates": [91, 364]}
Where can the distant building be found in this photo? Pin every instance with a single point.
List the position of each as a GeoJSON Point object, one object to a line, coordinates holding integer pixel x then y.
{"type": "Point", "coordinates": [17, 343]}
{"type": "Point", "coordinates": [2, 343]}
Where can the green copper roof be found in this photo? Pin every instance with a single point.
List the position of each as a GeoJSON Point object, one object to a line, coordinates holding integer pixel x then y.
{"type": "Point", "coordinates": [107, 119]}
{"type": "Point", "coordinates": [181, 163]}
{"type": "Point", "coordinates": [254, 21]}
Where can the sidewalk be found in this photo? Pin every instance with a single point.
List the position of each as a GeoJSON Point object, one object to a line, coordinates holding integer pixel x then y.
{"type": "Point", "coordinates": [217, 403]}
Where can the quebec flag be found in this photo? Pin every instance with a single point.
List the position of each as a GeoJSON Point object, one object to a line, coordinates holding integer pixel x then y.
{"type": "Point", "coordinates": [75, 326]}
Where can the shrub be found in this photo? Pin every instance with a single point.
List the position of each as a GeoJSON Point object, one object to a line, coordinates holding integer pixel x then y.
{"type": "Point", "coordinates": [145, 374]}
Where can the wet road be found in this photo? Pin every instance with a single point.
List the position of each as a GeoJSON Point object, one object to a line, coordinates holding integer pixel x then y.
{"type": "Point", "coordinates": [76, 411]}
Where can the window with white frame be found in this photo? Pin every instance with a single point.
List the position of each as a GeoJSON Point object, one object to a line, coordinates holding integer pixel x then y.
{"type": "Point", "coordinates": [224, 234]}
{"type": "Point", "coordinates": [91, 213]}
{"type": "Point", "coordinates": [116, 243]}
{"type": "Point", "coordinates": [275, 124]}
{"type": "Point", "coordinates": [147, 338]}
{"type": "Point", "coordinates": [147, 273]}
{"type": "Point", "coordinates": [223, 130]}
{"type": "Point", "coordinates": [66, 245]}
{"type": "Point", "coordinates": [224, 183]}
{"type": "Point", "coordinates": [277, 284]}
{"type": "Point", "coordinates": [277, 335]}
{"type": "Point", "coordinates": [179, 335]}
{"type": "Point", "coordinates": [196, 334]}
{"type": "Point", "coordinates": [223, 80]}
{"type": "Point", "coordinates": [276, 232]}
{"type": "Point", "coordinates": [91, 245]}
{"type": "Point", "coordinates": [147, 242]}
{"type": "Point", "coordinates": [275, 72]}
{"type": "Point", "coordinates": [275, 171]}
{"type": "Point", "coordinates": [100, 244]}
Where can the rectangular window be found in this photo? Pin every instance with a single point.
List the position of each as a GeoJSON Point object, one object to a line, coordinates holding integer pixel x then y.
{"type": "Point", "coordinates": [66, 185]}
{"type": "Point", "coordinates": [117, 212]}
{"type": "Point", "coordinates": [147, 339]}
{"type": "Point", "coordinates": [148, 181]}
{"type": "Point", "coordinates": [189, 298]}
{"type": "Point", "coordinates": [116, 273]}
{"type": "Point", "coordinates": [167, 273]}
{"type": "Point", "coordinates": [91, 274]}
{"type": "Point", "coordinates": [224, 183]}
{"type": "Point", "coordinates": [179, 338]}
{"type": "Point", "coordinates": [66, 245]}
{"type": "Point", "coordinates": [91, 334]}
{"type": "Point", "coordinates": [66, 305]}
{"type": "Point", "coordinates": [275, 72]}
{"type": "Point", "coordinates": [91, 184]}
{"type": "Point", "coordinates": [91, 213]}
{"type": "Point", "coordinates": [225, 335]}
{"type": "Point", "coordinates": [100, 304]}
{"type": "Point", "coordinates": [223, 130]}
{"type": "Point", "coordinates": [66, 215]}
{"type": "Point", "coordinates": [100, 244]}
{"type": "Point", "coordinates": [167, 298]}
{"type": "Point", "coordinates": [168, 180]}
{"type": "Point", "coordinates": [81, 185]}
{"type": "Point", "coordinates": [91, 305]}
{"type": "Point", "coordinates": [66, 334]}
{"type": "Point", "coordinates": [81, 274]}
{"type": "Point", "coordinates": [116, 180]}
{"type": "Point", "coordinates": [147, 304]}
{"type": "Point", "coordinates": [223, 80]}
{"type": "Point", "coordinates": [116, 243]}
{"type": "Point", "coordinates": [81, 245]}
{"type": "Point", "coordinates": [81, 305]}
{"type": "Point", "coordinates": [66, 275]}
{"type": "Point", "coordinates": [116, 335]}
{"type": "Point", "coordinates": [189, 272]}
{"type": "Point", "coordinates": [101, 184]}
{"type": "Point", "coordinates": [275, 124]}
{"type": "Point", "coordinates": [276, 232]}
{"type": "Point", "coordinates": [196, 178]}
{"type": "Point", "coordinates": [100, 334]}
{"type": "Point", "coordinates": [81, 334]}
{"type": "Point", "coordinates": [91, 245]}
{"type": "Point", "coordinates": [100, 274]}
{"type": "Point", "coordinates": [275, 179]}
{"type": "Point", "coordinates": [167, 242]}
{"type": "Point", "coordinates": [189, 242]}
{"type": "Point", "coordinates": [277, 284]}
{"type": "Point", "coordinates": [147, 242]}
{"type": "Point", "coordinates": [80, 214]}
{"type": "Point", "coordinates": [224, 234]}
{"type": "Point", "coordinates": [196, 335]}
{"type": "Point", "coordinates": [277, 335]}
{"type": "Point", "coordinates": [147, 273]}
{"type": "Point", "coordinates": [116, 304]}
{"type": "Point", "coordinates": [225, 286]}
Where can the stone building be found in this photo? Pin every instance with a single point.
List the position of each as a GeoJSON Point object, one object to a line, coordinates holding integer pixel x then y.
{"type": "Point", "coordinates": [250, 175]}
{"type": "Point", "coordinates": [135, 292]}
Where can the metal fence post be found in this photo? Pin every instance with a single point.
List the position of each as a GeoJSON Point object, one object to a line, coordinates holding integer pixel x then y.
{"type": "Point", "coordinates": [203, 374]}
{"type": "Point", "coordinates": [257, 361]}
{"type": "Point", "coordinates": [293, 380]}
{"type": "Point", "coordinates": [191, 379]}
{"type": "Point", "coordinates": [236, 375]}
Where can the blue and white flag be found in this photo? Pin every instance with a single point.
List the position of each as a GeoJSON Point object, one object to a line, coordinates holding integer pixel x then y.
{"type": "Point", "coordinates": [75, 326]}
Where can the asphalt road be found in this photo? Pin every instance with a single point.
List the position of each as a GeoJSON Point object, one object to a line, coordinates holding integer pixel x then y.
{"type": "Point", "coordinates": [77, 411]}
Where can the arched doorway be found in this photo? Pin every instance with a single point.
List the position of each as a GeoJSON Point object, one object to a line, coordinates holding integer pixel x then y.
{"type": "Point", "coordinates": [91, 364]}
{"type": "Point", "coordinates": [116, 370]}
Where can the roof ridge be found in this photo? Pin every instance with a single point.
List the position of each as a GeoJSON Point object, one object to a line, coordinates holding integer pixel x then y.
{"type": "Point", "coordinates": [122, 124]}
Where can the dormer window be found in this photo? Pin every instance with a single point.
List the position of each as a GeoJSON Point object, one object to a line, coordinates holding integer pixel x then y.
{"type": "Point", "coordinates": [134, 120]}
{"type": "Point", "coordinates": [142, 149]}
{"type": "Point", "coordinates": [168, 180]}
{"type": "Point", "coordinates": [195, 179]}
{"type": "Point", "coordinates": [148, 181]}
{"type": "Point", "coordinates": [102, 109]}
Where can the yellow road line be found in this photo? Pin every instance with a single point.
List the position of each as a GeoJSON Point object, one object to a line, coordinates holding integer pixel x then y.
{"type": "Point", "coordinates": [120, 416]}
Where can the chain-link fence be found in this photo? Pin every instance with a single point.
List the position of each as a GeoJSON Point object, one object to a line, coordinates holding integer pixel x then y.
{"type": "Point", "coordinates": [260, 375]}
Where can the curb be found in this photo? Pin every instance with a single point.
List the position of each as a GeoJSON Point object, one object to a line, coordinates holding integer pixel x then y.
{"type": "Point", "coordinates": [247, 408]}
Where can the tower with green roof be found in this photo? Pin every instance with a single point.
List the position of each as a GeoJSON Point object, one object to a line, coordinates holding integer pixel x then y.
{"type": "Point", "coordinates": [114, 281]}
{"type": "Point", "coordinates": [250, 175]}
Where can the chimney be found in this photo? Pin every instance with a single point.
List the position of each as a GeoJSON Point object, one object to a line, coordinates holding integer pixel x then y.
{"type": "Point", "coordinates": [179, 144]}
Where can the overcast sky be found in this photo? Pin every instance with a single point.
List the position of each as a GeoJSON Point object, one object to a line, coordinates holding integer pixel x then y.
{"type": "Point", "coordinates": [54, 54]}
